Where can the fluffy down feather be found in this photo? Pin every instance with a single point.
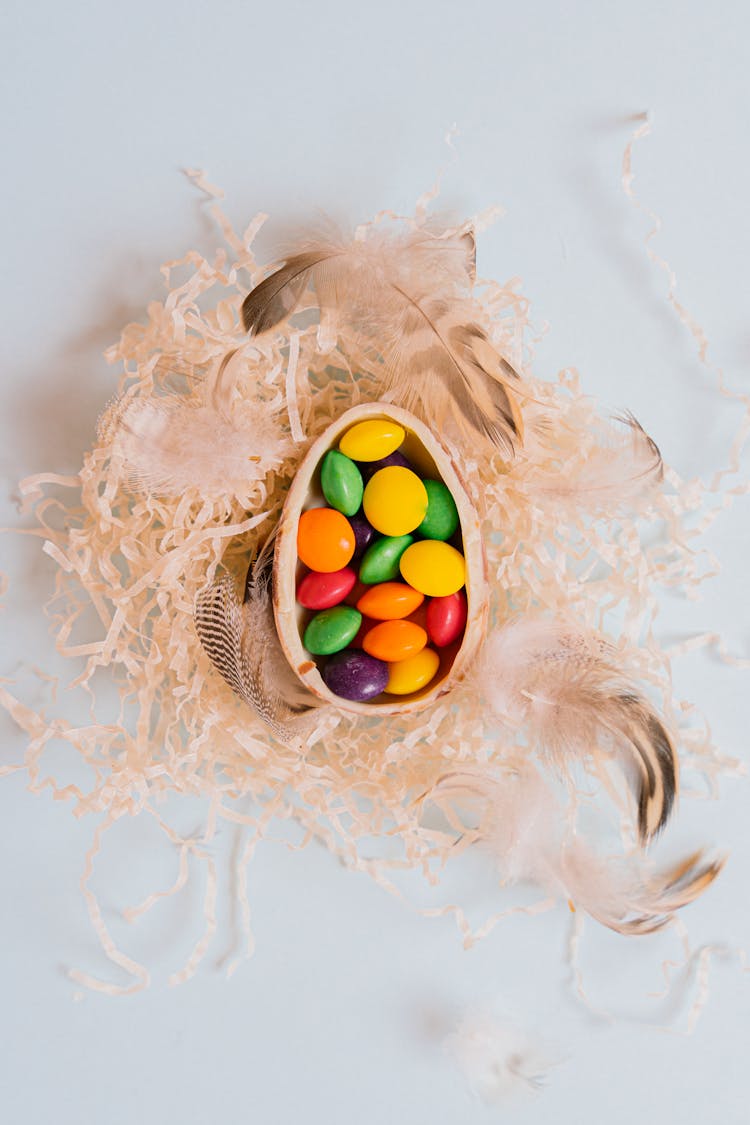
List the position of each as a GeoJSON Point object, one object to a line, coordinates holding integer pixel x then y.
{"type": "Point", "coordinates": [532, 837]}
{"type": "Point", "coordinates": [170, 443]}
{"type": "Point", "coordinates": [621, 463]}
{"type": "Point", "coordinates": [500, 1060]}
{"type": "Point", "coordinates": [409, 298]}
{"type": "Point", "coordinates": [564, 686]}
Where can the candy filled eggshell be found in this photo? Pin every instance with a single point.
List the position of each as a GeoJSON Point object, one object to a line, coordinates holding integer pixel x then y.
{"type": "Point", "coordinates": [429, 460]}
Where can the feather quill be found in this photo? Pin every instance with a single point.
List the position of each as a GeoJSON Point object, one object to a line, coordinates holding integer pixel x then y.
{"type": "Point", "coordinates": [240, 638]}
{"type": "Point", "coordinates": [563, 684]}
{"type": "Point", "coordinates": [532, 838]}
{"type": "Point", "coordinates": [410, 298]}
{"type": "Point", "coordinates": [170, 443]}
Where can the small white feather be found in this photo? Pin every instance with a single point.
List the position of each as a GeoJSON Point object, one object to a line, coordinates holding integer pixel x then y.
{"type": "Point", "coordinates": [499, 1061]}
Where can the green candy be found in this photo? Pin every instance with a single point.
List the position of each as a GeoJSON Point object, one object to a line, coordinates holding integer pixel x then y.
{"type": "Point", "coordinates": [442, 514]}
{"type": "Point", "coordinates": [341, 482]}
{"type": "Point", "coordinates": [381, 559]}
{"type": "Point", "coordinates": [331, 630]}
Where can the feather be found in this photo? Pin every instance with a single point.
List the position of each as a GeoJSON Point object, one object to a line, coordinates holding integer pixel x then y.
{"type": "Point", "coordinates": [500, 1060]}
{"type": "Point", "coordinates": [169, 443]}
{"type": "Point", "coordinates": [565, 687]}
{"type": "Point", "coordinates": [410, 298]}
{"type": "Point", "coordinates": [277, 297]}
{"type": "Point", "coordinates": [620, 465]}
{"type": "Point", "coordinates": [520, 821]}
{"type": "Point", "coordinates": [241, 641]}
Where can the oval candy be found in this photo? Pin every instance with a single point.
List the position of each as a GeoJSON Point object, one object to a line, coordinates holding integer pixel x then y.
{"type": "Point", "coordinates": [394, 641]}
{"type": "Point", "coordinates": [364, 533]}
{"type": "Point", "coordinates": [355, 675]}
{"type": "Point", "coordinates": [389, 601]}
{"type": "Point", "coordinates": [325, 540]}
{"type": "Point", "coordinates": [413, 673]}
{"type": "Point", "coordinates": [446, 618]}
{"type": "Point", "coordinates": [322, 591]}
{"type": "Point", "coordinates": [395, 500]}
{"type": "Point", "coordinates": [371, 440]}
{"type": "Point", "coordinates": [341, 482]}
{"type": "Point", "coordinates": [442, 514]}
{"type": "Point", "coordinates": [380, 562]}
{"type": "Point", "coordinates": [369, 468]}
{"type": "Point", "coordinates": [433, 568]}
{"type": "Point", "coordinates": [331, 630]}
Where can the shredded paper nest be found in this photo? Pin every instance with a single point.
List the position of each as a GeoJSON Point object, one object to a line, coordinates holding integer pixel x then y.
{"type": "Point", "coordinates": [576, 528]}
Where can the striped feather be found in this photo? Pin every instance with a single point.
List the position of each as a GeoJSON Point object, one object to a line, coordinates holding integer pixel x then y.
{"type": "Point", "coordinates": [240, 639]}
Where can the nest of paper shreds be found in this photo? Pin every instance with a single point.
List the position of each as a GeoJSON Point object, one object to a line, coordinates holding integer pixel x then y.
{"type": "Point", "coordinates": [224, 386]}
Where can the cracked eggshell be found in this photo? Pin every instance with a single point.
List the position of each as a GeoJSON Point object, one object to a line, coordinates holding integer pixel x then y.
{"type": "Point", "coordinates": [430, 459]}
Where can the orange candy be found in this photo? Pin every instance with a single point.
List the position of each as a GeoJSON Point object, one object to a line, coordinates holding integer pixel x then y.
{"type": "Point", "coordinates": [325, 540]}
{"type": "Point", "coordinates": [389, 601]}
{"type": "Point", "coordinates": [394, 640]}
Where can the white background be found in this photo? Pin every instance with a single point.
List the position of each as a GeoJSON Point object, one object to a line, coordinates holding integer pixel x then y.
{"type": "Point", "coordinates": [293, 107]}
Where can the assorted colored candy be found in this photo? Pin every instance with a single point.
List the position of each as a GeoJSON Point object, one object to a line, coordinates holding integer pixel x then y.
{"type": "Point", "coordinates": [441, 518]}
{"type": "Point", "coordinates": [371, 440]}
{"type": "Point", "coordinates": [383, 583]}
{"type": "Point", "coordinates": [394, 640]}
{"type": "Point", "coordinates": [445, 619]}
{"type": "Point", "coordinates": [331, 630]}
{"type": "Point", "coordinates": [322, 591]}
{"type": "Point", "coordinates": [325, 540]}
{"type": "Point", "coordinates": [356, 676]}
{"type": "Point", "coordinates": [382, 560]}
{"type": "Point", "coordinates": [369, 468]}
{"type": "Point", "coordinates": [433, 568]}
{"type": "Point", "coordinates": [364, 533]}
{"type": "Point", "coordinates": [341, 482]}
{"type": "Point", "coordinates": [395, 501]}
{"type": "Point", "coordinates": [413, 673]}
{"type": "Point", "coordinates": [389, 601]}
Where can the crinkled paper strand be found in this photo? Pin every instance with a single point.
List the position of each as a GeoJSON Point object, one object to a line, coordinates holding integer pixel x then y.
{"type": "Point", "coordinates": [130, 566]}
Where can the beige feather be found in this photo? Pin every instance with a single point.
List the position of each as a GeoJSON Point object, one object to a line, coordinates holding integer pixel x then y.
{"type": "Point", "coordinates": [170, 443]}
{"type": "Point", "coordinates": [410, 299]}
{"type": "Point", "coordinates": [565, 688]}
{"type": "Point", "coordinates": [621, 465]}
{"type": "Point", "coordinates": [532, 837]}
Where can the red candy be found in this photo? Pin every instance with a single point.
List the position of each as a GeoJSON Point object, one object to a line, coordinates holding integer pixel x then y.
{"type": "Point", "coordinates": [446, 618]}
{"type": "Point", "coordinates": [323, 591]}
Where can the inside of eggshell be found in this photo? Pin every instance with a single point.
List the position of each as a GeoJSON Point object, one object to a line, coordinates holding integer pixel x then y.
{"type": "Point", "coordinates": [415, 452]}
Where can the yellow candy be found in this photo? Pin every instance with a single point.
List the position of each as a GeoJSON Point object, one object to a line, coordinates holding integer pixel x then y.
{"type": "Point", "coordinates": [434, 568]}
{"type": "Point", "coordinates": [395, 500]}
{"type": "Point", "coordinates": [413, 673]}
{"type": "Point", "coordinates": [371, 440]}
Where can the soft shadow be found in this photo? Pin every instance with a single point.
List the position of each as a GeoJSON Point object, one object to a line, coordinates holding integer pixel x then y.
{"type": "Point", "coordinates": [55, 417]}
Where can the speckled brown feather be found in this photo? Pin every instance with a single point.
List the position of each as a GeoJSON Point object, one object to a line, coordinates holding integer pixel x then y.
{"type": "Point", "coordinates": [241, 641]}
{"type": "Point", "coordinates": [411, 298]}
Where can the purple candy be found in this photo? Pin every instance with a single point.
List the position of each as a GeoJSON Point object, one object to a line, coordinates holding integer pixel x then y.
{"type": "Point", "coordinates": [354, 675]}
{"type": "Point", "coordinates": [369, 468]}
{"type": "Point", "coordinates": [364, 533]}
